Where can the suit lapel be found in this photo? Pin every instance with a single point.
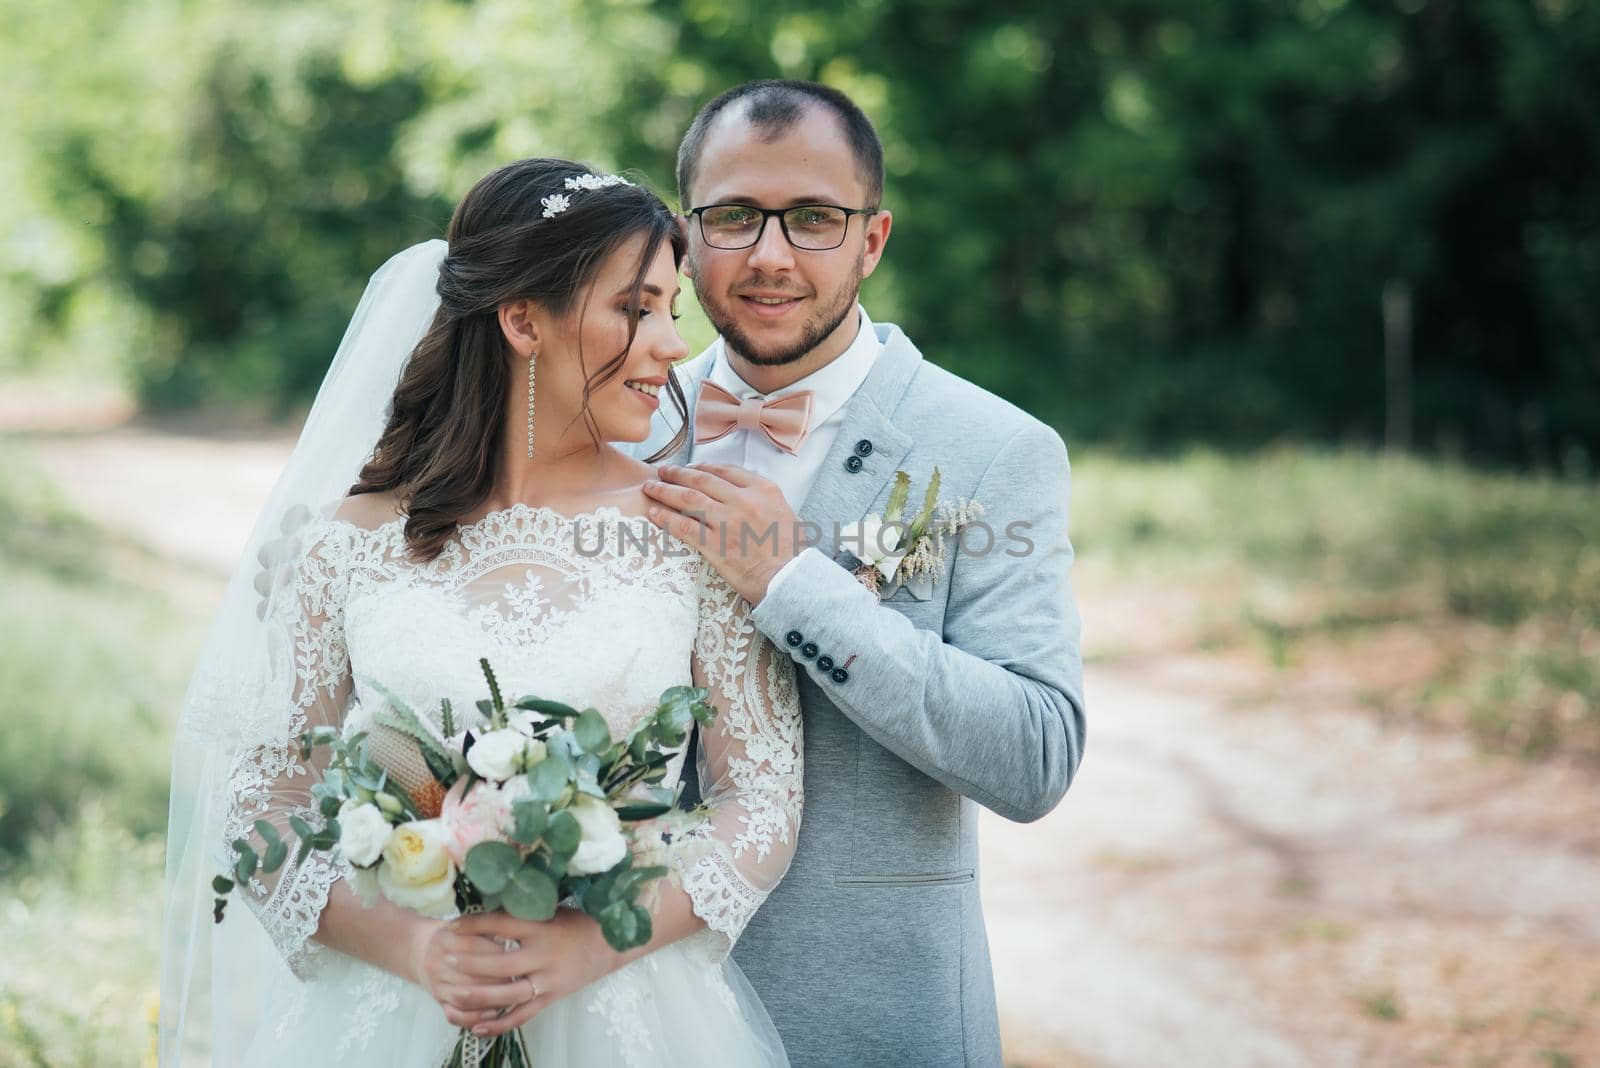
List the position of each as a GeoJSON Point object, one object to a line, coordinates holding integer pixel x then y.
{"type": "Point", "coordinates": [840, 496]}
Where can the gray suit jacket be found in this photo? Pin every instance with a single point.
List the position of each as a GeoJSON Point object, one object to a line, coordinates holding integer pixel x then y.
{"type": "Point", "coordinates": [967, 691]}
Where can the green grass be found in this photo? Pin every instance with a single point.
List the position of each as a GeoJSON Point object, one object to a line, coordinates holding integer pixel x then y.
{"type": "Point", "coordinates": [1499, 548]}
{"type": "Point", "coordinates": [92, 669]}
{"type": "Point", "coordinates": [1296, 546]}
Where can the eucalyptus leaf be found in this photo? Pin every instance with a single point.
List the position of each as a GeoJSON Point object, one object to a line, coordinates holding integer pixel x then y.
{"type": "Point", "coordinates": [620, 925]}
{"type": "Point", "coordinates": [591, 731]}
{"type": "Point", "coordinates": [599, 895]}
{"type": "Point", "coordinates": [531, 817]}
{"type": "Point", "coordinates": [644, 927]}
{"type": "Point", "coordinates": [629, 882]}
{"type": "Point", "coordinates": [548, 779]}
{"type": "Point", "coordinates": [563, 834]}
{"type": "Point", "coordinates": [490, 865]}
{"type": "Point", "coordinates": [532, 895]}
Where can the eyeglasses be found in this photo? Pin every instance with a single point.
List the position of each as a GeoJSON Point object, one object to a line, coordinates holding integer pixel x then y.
{"type": "Point", "coordinates": [812, 227]}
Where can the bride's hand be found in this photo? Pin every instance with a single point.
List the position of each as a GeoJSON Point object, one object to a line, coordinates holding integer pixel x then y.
{"type": "Point", "coordinates": [437, 964]}
{"type": "Point", "coordinates": [555, 958]}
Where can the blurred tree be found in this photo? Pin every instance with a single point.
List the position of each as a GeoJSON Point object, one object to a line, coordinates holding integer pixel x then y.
{"type": "Point", "coordinates": [1151, 221]}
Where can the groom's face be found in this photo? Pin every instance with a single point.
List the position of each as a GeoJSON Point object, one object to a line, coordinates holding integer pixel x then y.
{"type": "Point", "coordinates": [771, 302]}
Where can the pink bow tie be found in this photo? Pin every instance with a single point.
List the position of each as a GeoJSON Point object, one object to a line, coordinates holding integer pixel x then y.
{"type": "Point", "coordinates": [785, 421]}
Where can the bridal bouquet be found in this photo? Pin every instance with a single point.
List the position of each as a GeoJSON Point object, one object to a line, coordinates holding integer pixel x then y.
{"type": "Point", "coordinates": [519, 811]}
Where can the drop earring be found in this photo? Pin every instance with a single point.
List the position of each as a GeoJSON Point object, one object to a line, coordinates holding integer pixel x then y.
{"type": "Point", "coordinates": [531, 357]}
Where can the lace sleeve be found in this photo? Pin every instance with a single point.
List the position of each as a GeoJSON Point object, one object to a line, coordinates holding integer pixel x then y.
{"type": "Point", "coordinates": [269, 779]}
{"type": "Point", "coordinates": [750, 766]}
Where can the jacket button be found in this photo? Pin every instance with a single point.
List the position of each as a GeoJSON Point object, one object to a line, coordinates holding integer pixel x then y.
{"type": "Point", "coordinates": [808, 650]}
{"type": "Point", "coordinates": [794, 637]}
{"type": "Point", "coordinates": [852, 464]}
{"type": "Point", "coordinates": [863, 447]}
{"type": "Point", "coordinates": [824, 663]}
{"type": "Point", "coordinates": [840, 675]}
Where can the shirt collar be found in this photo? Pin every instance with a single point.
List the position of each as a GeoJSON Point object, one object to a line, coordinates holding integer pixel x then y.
{"type": "Point", "coordinates": [831, 385]}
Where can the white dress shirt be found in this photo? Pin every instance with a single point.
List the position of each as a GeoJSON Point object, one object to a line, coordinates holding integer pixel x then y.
{"type": "Point", "coordinates": [832, 386]}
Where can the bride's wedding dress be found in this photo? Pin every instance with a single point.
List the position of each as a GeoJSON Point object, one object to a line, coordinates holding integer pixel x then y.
{"type": "Point", "coordinates": [599, 609]}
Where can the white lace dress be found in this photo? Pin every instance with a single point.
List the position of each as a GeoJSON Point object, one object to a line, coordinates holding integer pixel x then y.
{"type": "Point", "coordinates": [596, 610]}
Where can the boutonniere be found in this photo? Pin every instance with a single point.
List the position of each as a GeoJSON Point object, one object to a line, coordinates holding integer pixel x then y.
{"type": "Point", "coordinates": [892, 548]}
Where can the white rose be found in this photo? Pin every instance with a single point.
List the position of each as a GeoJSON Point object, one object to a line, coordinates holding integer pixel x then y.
{"type": "Point", "coordinates": [602, 845]}
{"type": "Point", "coordinates": [363, 831]}
{"type": "Point", "coordinates": [417, 872]}
{"type": "Point", "coordinates": [877, 545]}
{"type": "Point", "coordinates": [498, 754]}
{"type": "Point", "coordinates": [524, 721]}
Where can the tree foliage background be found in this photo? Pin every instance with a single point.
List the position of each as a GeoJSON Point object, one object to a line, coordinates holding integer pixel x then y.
{"type": "Point", "coordinates": [1148, 221]}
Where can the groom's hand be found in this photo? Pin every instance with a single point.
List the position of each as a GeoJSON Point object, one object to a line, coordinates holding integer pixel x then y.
{"type": "Point", "coordinates": [738, 520]}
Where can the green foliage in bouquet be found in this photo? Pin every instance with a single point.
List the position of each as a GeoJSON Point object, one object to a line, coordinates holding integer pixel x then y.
{"type": "Point", "coordinates": [529, 875]}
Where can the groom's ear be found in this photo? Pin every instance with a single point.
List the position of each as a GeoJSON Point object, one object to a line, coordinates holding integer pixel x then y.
{"type": "Point", "coordinates": [520, 327]}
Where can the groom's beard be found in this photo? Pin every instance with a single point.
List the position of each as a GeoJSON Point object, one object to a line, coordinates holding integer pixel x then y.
{"type": "Point", "coordinates": [824, 322]}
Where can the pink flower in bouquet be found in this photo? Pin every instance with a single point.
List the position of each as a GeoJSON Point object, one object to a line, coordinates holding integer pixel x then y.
{"type": "Point", "coordinates": [481, 814]}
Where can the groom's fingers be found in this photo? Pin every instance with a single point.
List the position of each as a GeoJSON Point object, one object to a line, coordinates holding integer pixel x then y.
{"type": "Point", "coordinates": [681, 498]}
{"type": "Point", "coordinates": [701, 478]}
{"type": "Point", "coordinates": [686, 529]}
{"type": "Point", "coordinates": [739, 476]}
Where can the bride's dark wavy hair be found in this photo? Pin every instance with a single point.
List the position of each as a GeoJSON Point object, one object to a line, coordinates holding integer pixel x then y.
{"type": "Point", "coordinates": [441, 450]}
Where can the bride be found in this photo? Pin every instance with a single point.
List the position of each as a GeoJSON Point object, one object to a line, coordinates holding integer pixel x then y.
{"type": "Point", "coordinates": [452, 498]}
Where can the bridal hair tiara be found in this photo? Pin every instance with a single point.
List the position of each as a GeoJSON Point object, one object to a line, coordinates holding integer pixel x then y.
{"type": "Point", "coordinates": [556, 203]}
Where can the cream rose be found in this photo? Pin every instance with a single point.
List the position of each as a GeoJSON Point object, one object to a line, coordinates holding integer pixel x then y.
{"type": "Point", "coordinates": [497, 755]}
{"type": "Point", "coordinates": [603, 844]}
{"type": "Point", "coordinates": [417, 872]}
{"type": "Point", "coordinates": [363, 831]}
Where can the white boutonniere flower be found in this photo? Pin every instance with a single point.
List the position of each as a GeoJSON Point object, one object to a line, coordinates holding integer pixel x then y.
{"type": "Point", "coordinates": [879, 545]}
{"type": "Point", "coordinates": [919, 549]}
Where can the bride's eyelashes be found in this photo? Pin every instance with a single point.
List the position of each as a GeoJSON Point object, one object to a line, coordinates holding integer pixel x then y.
{"type": "Point", "coordinates": [646, 311]}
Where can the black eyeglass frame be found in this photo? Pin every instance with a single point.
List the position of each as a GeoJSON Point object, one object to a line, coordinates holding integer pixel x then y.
{"type": "Point", "coordinates": [768, 213]}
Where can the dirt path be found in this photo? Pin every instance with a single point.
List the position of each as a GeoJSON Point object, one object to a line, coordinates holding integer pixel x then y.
{"type": "Point", "coordinates": [1234, 880]}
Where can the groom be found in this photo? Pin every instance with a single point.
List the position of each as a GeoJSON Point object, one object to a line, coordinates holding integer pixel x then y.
{"type": "Point", "coordinates": [922, 699]}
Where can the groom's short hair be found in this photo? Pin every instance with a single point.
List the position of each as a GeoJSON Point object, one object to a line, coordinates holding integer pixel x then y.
{"type": "Point", "coordinates": [773, 106]}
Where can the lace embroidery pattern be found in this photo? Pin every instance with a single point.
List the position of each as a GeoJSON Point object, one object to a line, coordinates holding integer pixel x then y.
{"type": "Point", "coordinates": [546, 596]}
{"type": "Point", "coordinates": [290, 910]}
{"type": "Point", "coordinates": [620, 999]}
{"type": "Point", "coordinates": [750, 768]}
